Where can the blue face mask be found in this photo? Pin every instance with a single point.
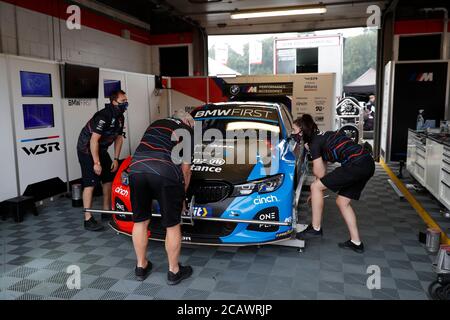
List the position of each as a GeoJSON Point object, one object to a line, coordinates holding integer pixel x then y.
{"type": "Point", "coordinates": [123, 106]}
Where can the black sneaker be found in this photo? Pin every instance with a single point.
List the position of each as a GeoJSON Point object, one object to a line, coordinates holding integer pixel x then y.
{"type": "Point", "coordinates": [143, 273]}
{"type": "Point", "coordinates": [309, 233]}
{"type": "Point", "coordinates": [350, 245]}
{"type": "Point", "coordinates": [106, 217]}
{"type": "Point", "coordinates": [175, 278]}
{"type": "Point", "coordinates": [92, 225]}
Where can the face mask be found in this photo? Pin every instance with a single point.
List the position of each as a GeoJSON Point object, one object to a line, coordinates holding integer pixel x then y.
{"type": "Point", "coordinates": [297, 137]}
{"type": "Point", "coordinates": [123, 106]}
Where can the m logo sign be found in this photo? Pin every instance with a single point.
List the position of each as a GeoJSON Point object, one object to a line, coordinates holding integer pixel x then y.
{"type": "Point", "coordinates": [422, 77]}
{"type": "Point", "coordinates": [42, 148]}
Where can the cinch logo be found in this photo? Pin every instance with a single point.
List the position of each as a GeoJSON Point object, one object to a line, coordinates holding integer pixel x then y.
{"type": "Point", "coordinates": [422, 77]}
{"type": "Point", "coordinates": [121, 191]}
{"type": "Point", "coordinates": [42, 148]}
{"type": "Point", "coordinates": [264, 200]}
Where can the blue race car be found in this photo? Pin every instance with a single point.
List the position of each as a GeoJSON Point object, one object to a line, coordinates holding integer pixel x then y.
{"type": "Point", "coordinates": [247, 190]}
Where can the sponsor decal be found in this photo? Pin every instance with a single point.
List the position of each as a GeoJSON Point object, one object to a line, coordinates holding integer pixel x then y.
{"type": "Point", "coordinates": [100, 125]}
{"type": "Point", "coordinates": [283, 234]}
{"type": "Point", "coordinates": [121, 191]}
{"type": "Point", "coordinates": [236, 112]}
{"type": "Point", "coordinates": [78, 103]}
{"type": "Point", "coordinates": [202, 211]}
{"type": "Point", "coordinates": [263, 200]}
{"type": "Point", "coordinates": [217, 162]}
{"type": "Point", "coordinates": [185, 238]}
{"type": "Point", "coordinates": [276, 88]}
{"type": "Point", "coordinates": [212, 169]}
{"type": "Point", "coordinates": [120, 207]}
{"type": "Point", "coordinates": [42, 148]}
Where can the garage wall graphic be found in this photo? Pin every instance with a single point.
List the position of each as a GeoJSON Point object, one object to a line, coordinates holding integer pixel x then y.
{"type": "Point", "coordinates": [35, 87]}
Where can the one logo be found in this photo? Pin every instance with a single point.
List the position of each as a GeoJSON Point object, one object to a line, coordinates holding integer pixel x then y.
{"type": "Point", "coordinates": [264, 200]}
{"type": "Point", "coordinates": [42, 148]}
{"type": "Point", "coordinates": [121, 191]}
{"type": "Point", "coordinates": [234, 90]}
{"type": "Point", "coordinates": [422, 77]}
{"type": "Point", "coordinates": [184, 238]}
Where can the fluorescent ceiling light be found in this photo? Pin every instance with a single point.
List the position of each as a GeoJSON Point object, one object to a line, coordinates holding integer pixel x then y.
{"type": "Point", "coordinates": [279, 12]}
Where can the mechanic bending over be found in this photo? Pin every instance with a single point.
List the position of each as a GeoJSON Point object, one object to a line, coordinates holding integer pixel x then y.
{"type": "Point", "coordinates": [155, 175]}
{"type": "Point", "coordinates": [348, 181]}
{"type": "Point", "coordinates": [104, 128]}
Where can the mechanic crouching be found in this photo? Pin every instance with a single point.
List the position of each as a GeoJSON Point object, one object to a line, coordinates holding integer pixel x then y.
{"type": "Point", "coordinates": [155, 175]}
{"type": "Point", "coordinates": [348, 181]}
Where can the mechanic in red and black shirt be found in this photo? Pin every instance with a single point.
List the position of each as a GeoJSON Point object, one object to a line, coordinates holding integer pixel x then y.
{"type": "Point", "coordinates": [348, 181]}
{"type": "Point", "coordinates": [101, 131]}
{"type": "Point", "coordinates": [161, 170]}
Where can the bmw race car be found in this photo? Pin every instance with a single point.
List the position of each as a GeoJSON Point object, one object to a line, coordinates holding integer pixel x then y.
{"type": "Point", "coordinates": [232, 201]}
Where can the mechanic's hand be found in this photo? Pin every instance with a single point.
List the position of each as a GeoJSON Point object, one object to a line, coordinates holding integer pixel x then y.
{"type": "Point", "coordinates": [97, 169]}
{"type": "Point", "coordinates": [115, 166]}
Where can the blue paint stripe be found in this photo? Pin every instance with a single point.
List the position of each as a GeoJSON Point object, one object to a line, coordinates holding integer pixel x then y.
{"type": "Point", "coordinates": [36, 139]}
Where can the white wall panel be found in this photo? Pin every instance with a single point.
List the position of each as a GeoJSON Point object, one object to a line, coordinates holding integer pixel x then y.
{"type": "Point", "coordinates": [139, 110]}
{"type": "Point", "coordinates": [8, 188]}
{"type": "Point", "coordinates": [77, 113]}
{"type": "Point", "coordinates": [46, 165]}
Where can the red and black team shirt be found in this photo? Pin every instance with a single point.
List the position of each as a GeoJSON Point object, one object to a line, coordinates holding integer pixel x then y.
{"type": "Point", "coordinates": [108, 122]}
{"type": "Point", "coordinates": [154, 153]}
{"type": "Point", "coordinates": [335, 146]}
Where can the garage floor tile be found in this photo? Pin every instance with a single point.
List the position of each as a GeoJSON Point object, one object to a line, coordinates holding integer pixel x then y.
{"type": "Point", "coordinates": [35, 254]}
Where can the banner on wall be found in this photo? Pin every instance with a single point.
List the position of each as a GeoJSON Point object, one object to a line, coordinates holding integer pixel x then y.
{"type": "Point", "coordinates": [259, 89]}
{"type": "Point", "coordinates": [314, 94]}
{"type": "Point", "coordinates": [306, 93]}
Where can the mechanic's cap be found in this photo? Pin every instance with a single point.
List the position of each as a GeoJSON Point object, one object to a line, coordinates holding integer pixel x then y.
{"type": "Point", "coordinates": [184, 116]}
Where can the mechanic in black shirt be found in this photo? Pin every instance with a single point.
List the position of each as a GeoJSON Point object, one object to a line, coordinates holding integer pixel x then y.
{"type": "Point", "coordinates": [348, 181]}
{"type": "Point", "coordinates": [158, 172]}
{"type": "Point", "coordinates": [101, 131]}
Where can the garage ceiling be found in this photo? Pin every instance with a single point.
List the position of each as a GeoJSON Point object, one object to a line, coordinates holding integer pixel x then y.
{"type": "Point", "coordinates": [214, 15]}
{"type": "Point", "coordinates": [167, 16]}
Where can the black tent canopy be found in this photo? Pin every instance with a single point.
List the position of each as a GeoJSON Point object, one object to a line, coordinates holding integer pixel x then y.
{"type": "Point", "coordinates": [365, 84]}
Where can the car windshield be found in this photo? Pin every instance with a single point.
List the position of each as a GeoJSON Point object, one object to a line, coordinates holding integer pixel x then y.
{"type": "Point", "coordinates": [238, 123]}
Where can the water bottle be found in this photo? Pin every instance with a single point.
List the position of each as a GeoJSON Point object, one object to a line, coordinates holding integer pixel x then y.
{"type": "Point", "coordinates": [420, 120]}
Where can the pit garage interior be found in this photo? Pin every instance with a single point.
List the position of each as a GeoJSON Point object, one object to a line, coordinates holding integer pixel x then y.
{"type": "Point", "coordinates": [157, 52]}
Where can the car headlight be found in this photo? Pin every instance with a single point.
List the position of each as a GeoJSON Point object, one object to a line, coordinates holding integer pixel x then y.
{"type": "Point", "coordinates": [124, 178]}
{"type": "Point", "coordinates": [261, 186]}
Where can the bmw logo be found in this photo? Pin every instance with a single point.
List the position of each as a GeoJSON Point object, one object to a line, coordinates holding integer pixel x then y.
{"type": "Point", "coordinates": [234, 90]}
